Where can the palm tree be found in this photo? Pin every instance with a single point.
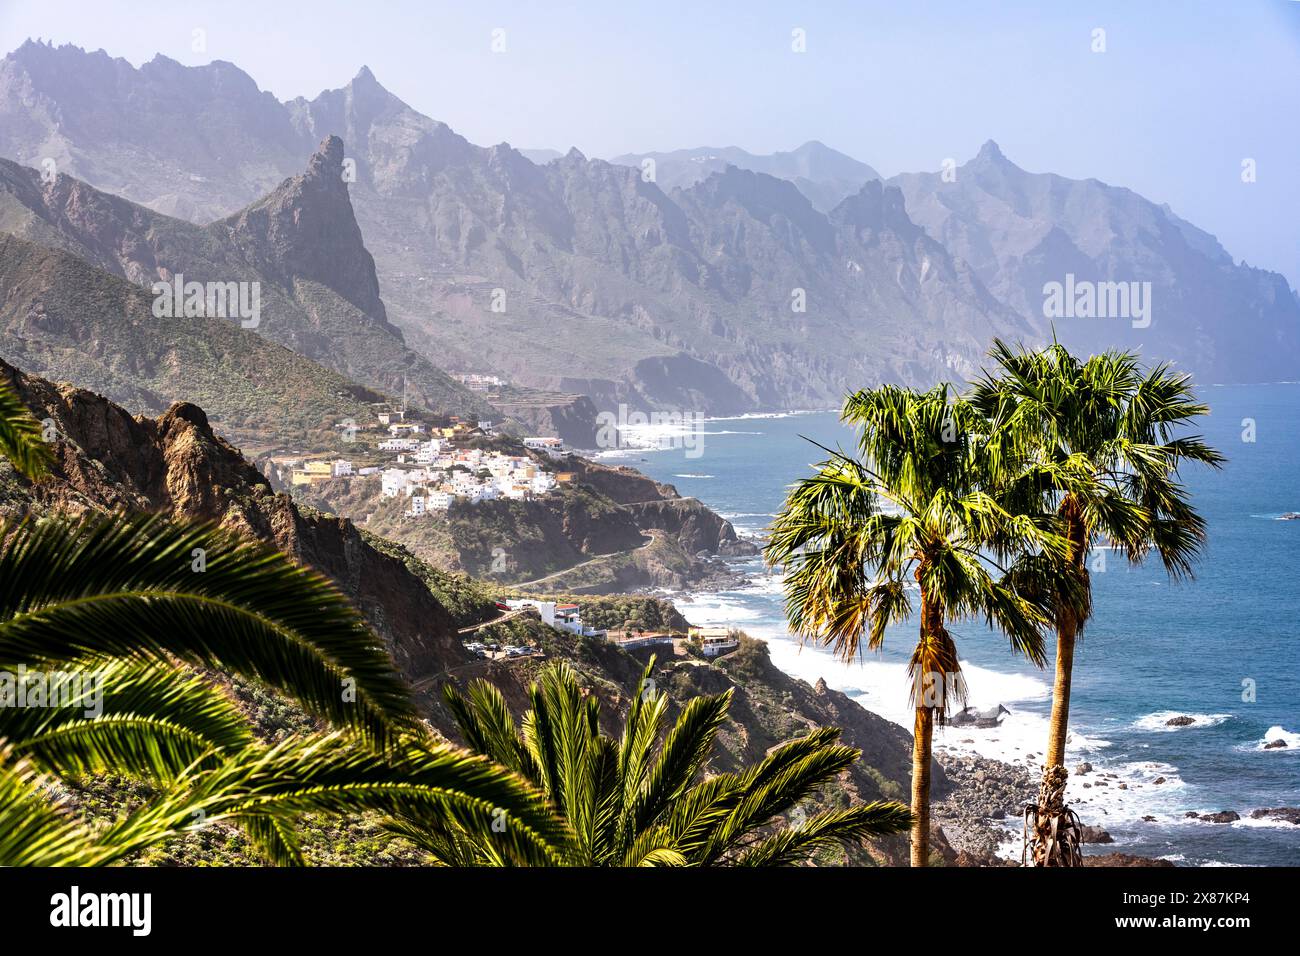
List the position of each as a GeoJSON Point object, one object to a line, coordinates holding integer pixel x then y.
{"type": "Point", "coordinates": [1100, 447]}
{"type": "Point", "coordinates": [111, 619]}
{"type": "Point", "coordinates": [632, 803]}
{"type": "Point", "coordinates": [911, 510]}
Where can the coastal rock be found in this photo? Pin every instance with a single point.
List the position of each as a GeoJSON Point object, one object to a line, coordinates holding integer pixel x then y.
{"type": "Point", "coordinates": [1148, 819]}
{"type": "Point", "coordinates": [1275, 745]}
{"type": "Point", "coordinates": [1191, 815]}
{"type": "Point", "coordinates": [1158, 780]}
{"type": "Point", "coordinates": [1291, 516]}
{"type": "Point", "coordinates": [939, 844]}
{"type": "Point", "coordinates": [1289, 814]}
{"type": "Point", "coordinates": [988, 718]}
{"type": "Point", "coordinates": [1083, 768]}
{"type": "Point", "coordinates": [1096, 835]}
{"type": "Point", "coordinates": [1223, 816]}
{"type": "Point", "coordinates": [1180, 721]}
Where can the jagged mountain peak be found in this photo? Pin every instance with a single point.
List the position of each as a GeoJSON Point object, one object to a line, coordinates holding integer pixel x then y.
{"type": "Point", "coordinates": [306, 229]}
{"type": "Point", "coordinates": [991, 159]}
{"type": "Point", "coordinates": [875, 206]}
{"type": "Point", "coordinates": [733, 182]}
{"type": "Point", "coordinates": [991, 152]}
{"type": "Point", "coordinates": [327, 161]}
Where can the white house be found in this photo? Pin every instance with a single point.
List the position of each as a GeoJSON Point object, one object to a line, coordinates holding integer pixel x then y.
{"type": "Point", "coordinates": [429, 451]}
{"type": "Point", "coordinates": [398, 429]}
{"type": "Point", "coordinates": [552, 446]}
{"type": "Point", "coordinates": [342, 468]}
{"type": "Point", "coordinates": [392, 482]}
{"type": "Point", "coordinates": [567, 617]}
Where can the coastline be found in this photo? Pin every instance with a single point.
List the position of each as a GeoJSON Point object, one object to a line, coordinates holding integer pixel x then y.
{"type": "Point", "coordinates": [993, 770]}
{"type": "Point", "coordinates": [1188, 792]}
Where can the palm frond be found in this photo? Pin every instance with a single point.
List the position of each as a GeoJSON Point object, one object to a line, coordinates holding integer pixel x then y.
{"type": "Point", "coordinates": [125, 587]}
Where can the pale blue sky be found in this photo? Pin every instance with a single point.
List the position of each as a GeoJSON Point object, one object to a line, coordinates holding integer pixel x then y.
{"type": "Point", "coordinates": [1183, 93]}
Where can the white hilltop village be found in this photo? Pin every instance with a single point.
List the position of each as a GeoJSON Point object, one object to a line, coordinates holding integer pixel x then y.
{"type": "Point", "coordinates": [432, 467]}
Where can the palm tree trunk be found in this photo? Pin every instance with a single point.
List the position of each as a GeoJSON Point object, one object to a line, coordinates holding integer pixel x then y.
{"type": "Point", "coordinates": [921, 741]}
{"type": "Point", "coordinates": [1060, 722]}
{"type": "Point", "coordinates": [1067, 630]}
{"type": "Point", "coordinates": [1056, 827]}
{"type": "Point", "coordinates": [927, 675]}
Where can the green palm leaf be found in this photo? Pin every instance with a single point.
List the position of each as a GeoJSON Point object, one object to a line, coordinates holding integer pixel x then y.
{"type": "Point", "coordinates": [143, 719]}
{"type": "Point", "coordinates": [124, 587]}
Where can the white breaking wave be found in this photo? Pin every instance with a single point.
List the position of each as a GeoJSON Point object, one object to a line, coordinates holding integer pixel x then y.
{"type": "Point", "coordinates": [755, 416]}
{"type": "Point", "coordinates": [1159, 721]}
{"type": "Point", "coordinates": [1267, 823]}
{"type": "Point", "coordinates": [714, 610]}
{"type": "Point", "coordinates": [1279, 733]}
{"type": "Point", "coordinates": [693, 476]}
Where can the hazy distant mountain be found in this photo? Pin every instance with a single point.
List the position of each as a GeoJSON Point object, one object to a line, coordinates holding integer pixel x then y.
{"type": "Point", "coordinates": [541, 156]}
{"type": "Point", "coordinates": [578, 275]}
{"type": "Point", "coordinates": [197, 143]}
{"type": "Point", "coordinates": [1022, 231]}
{"type": "Point", "coordinates": [317, 288]}
{"type": "Point", "coordinates": [612, 287]}
{"type": "Point", "coordinates": [827, 177]}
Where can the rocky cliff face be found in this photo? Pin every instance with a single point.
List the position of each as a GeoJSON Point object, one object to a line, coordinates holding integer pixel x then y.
{"type": "Point", "coordinates": [174, 464]}
{"type": "Point", "coordinates": [306, 230]}
{"type": "Point", "coordinates": [694, 526]}
{"type": "Point", "coordinates": [191, 142]}
{"type": "Point", "coordinates": [301, 248]}
{"type": "Point", "coordinates": [572, 420]}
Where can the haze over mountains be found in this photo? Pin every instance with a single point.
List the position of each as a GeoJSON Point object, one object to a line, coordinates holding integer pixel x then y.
{"type": "Point", "coordinates": [731, 283]}
{"type": "Point", "coordinates": [1021, 230]}
{"type": "Point", "coordinates": [826, 176]}
{"type": "Point", "coordinates": [318, 292]}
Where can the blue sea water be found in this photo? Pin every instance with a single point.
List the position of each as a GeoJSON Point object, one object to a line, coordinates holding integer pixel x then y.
{"type": "Point", "coordinates": [1223, 648]}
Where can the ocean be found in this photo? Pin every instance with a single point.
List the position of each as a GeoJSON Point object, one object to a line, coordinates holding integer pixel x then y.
{"type": "Point", "coordinates": [1223, 649]}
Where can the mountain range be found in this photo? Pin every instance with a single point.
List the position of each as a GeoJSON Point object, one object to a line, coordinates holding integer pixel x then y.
{"type": "Point", "coordinates": [725, 283]}
{"type": "Point", "coordinates": [826, 176]}
{"type": "Point", "coordinates": [300, 244]}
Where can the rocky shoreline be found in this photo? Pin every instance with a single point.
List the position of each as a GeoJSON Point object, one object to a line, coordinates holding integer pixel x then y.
{"type": "Point", "coordinates": [983, 807]}
{"type": "Point", "coordinates": [985, 804]}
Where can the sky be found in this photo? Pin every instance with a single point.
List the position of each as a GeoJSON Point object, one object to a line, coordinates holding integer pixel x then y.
{"type": "Point", "coordinates": [1181, 95]}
